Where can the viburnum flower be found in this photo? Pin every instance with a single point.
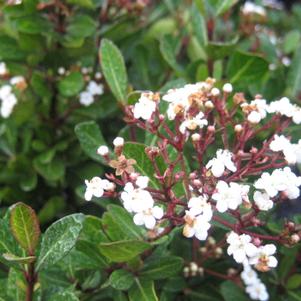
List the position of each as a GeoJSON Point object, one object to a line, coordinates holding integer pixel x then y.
{"type": "Point", "coordinates": [264, 259]}
{"type": "Point", "coordinates": [137, 199]}
{"type": "Point", "coordinates": [193, 123]}
{"type": "Point", "coordinates": [123, 165]}
{"type": "Point", "coordinates": [96, 187]}
{"type": "Point", "coordinates": [103, 150]}
{"type": "Point", "coordinates": [200, 205]}
{"type": "Point", "coordinates": [257, 291]}
{"type": "Point", "coordinates": [86, 98]}
{"type": "Point", "coordinates": [291, 152]}
{"type": "Point", "coordinates": [197, 226]}
{"type": "Point", "coordinates": [257, 110]}
{"type": "Point", "coordinates": [229, 196]}
{"type": "Point", "coordinates": [248, 275]}
{"type": "Point", "coordinates": [148, 217]}
{"type": "Point", "coordinates": [240, 247]}
{"type": "Point", "coordinates": [145, 106]}
{"type": "Point", "coordinates": [94, 88]}
{"type": "Point", "coordinates": [280, 180]}
{"type": "Point", "coordinates": [252, 8]}
{"type": "Point", "coordinates": [8, 101]}
{"type": "Point", "coordinates": [222, 161]}
{"type": "Point", "coordinates": [262, 201]}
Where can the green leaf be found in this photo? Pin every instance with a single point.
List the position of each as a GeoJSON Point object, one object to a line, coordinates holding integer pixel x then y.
{"type": "Point", "coordinates": [125, 222]}
{"type": "Point", "coordinates": [34, 24]}
{"type": "Point", "coordinates": [291, 41]}
{"type": "Point", "coordinates": [143, 290]}
{"type": "Point", "coordinates": [59, 239]}
{"type": "Point", "coordinates": [162, 268]}
{"type": "Point", "coordinates": [71, 85]}
{"type": "Point", "coordinates": [294, 281]}
{"type": "Point", "coordinates": [64, 296]}
{"type": "Point", "coordinates": [114, 70]}
{"type": "Point", "coordinates": [81, 26]}
{"type": "Point", "coordinates": [230, 291]}
{"type": "Point", "coordinates": [90, 138]}
{"type": "Point", "coordinates": [122, 251]}
{"type": "Point", "coordinates": [168, 52]}
{"type": "Point", "coordinates": [143, 163]}
{"type": "Point", "coordinates": [294, 75]}
{"type": "Point", "coordinates": [52, 171]}
{"type": "Point", "coordinates": [199, 26]}
{"type": "Point", "coordinates": [17, 259]}
{"type": "Point", "coordinates": [51, 208]}
{"type": "Point", "coordinates": [218, 50]}
{"type": "Point", "coordinates": [9, 49]}
{"type": "Point", "coordinates": [246, 67]}
{"type": "Point", "coordinates": [25, 226]}
{"type": "Point", "coordinates": [224, 6]}
{"type": "Point", "coordinates": [121, 279]}
{"type": "Point", "coordinates": [16, 285]}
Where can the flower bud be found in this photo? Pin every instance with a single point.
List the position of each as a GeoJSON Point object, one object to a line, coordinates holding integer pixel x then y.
{"type": "Point", "coordinates": [211, 128]}
{"type": "Point", "coordinates": [201, 271]}
{"type": "Point", "coordinates": [215, 92]}
{"type": "Point", "coordinates": [103, 150]}
{"type": "Point", "coordinates": [193, 267]}
{"type": "Point", "coordinates": [195, 137]}
{"type": "Point", "coordinates": [218, 252]}
{"type": "Point", "coordinates": [256, 241]}
{"type": "Point", "coordinates": [211, 241]}
{"type": "Point", "coordinates": [186, 271]}
{"type": "Point", "coordinates": [295, 238]}
{"type": "Point", "coordinates": [118, 142]}
{"type": "Point", "coordinates": [238, 128]}
{"type": "Point", "coordinates": [209, 104]}
{"type": "Point", "coordinates": [227, 88]}
{"type": "Point", "coordinates": [231, 272]}
{"type": "Point", "coordinates": [203, 250]}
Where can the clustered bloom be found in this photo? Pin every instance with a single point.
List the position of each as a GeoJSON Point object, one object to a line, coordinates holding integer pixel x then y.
{"type": "Point", "coordinates": [197, 217]}
{"type": "Point", "coordinates": [171, 195]}
{"type": "Point", "coordinates": [230, 196]}
{"type": "Point", "coordinates": [280, 180]}
{"type": "Point", "coordinates": [7, 96]}
{"type": "Point", "coordinates": [139, 201]}
{"type": "Point", "coordinates": [291, 151]}
{"type": "Point", "coordinates": [222, 161]}
{"type": "Point", "coordinates": [250, 8]}
{"type": "Point", "coordinates": [93, 89]}
{"type": "Point", "coordinates": [96, 187]}
{"type": "Point", "coordinates": [255, 288]}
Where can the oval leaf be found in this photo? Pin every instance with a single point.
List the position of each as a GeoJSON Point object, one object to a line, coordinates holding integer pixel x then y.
{"type": "Point", "coordinates": [25, 226]}
{"type": "Point", "coordinates": [121, 280]}
{"type": "Point", "coordinates": [143, 290]}
{"type": "Point", "coordinates": [59, 239]}
{"type": "Point", "coordinates": [114, 70]}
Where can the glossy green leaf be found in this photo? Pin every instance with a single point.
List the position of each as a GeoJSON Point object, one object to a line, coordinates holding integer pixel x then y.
{"type": "Point", "coordinates": [224, 6]}
{"type": "Point", "coordinates": [246, 67]}
{"type": "Point", "coordinates": [143, 290]}
{"type": "Point", "coordinates": [81, 26]}
{"type": "Point", "coordinates": [64, 296]}
{"type": "Point", "coordinates": [59, 239]}
{"type": "Point", "coordinates": [16, 285]}
{"type": "Point", "coordinates": [162, 268]}
{"type": "Point", "coordinates": [33, 24]}
{"type": "Point", "coordinates": [199, 26]}
{"type": "Point", "coordinates": [294, 281]}
{"type": "Point", "coordinates": [114, 70]}
{"type": "Point", "coordinates": [121, 279]}
{"type": "Point", "coordinates": [230, 291]}
{"type": "Point", "coordinates": [51, 208]}
{"type": "Point", "coordinates": [71, 85]}
{"type": "Point", "coordinates": [90, 138]}
{"type": "Point", "coordinates": [294, 75]}
{"type": "Point", "coordinates": [25, 226]}
{"type": "Point", "coordinates": [122, 251]}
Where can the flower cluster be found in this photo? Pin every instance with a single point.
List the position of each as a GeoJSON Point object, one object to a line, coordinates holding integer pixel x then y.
{"type": "Point", "coordinates": [8, 97]}
{"type": "Point", "coordinates": [229, 178]}
{"type": "Point", "coordinates": [250, 8]}
{"type": "Point", "coordinates": [254, 286]}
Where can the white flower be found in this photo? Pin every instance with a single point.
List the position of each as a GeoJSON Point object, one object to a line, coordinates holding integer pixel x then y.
{"type": "Point", "coordinates": [96, 188]}
{"type": "Point", "coordinates": [142, 182]}
{"type": "Point", "coordinates": [200, 205]}
{"type": "Point", "coordinates": [8, 99]}
{"type": "Point", "coordinates": [137, 199]}
{"type": "Point", "coordinates": [263, 260]}
{"type": "Point", "coordinates": [283, 180]}
{"type": "Point", "coordinates": [263, 201]}
{"type": "Point", "coordinates": [297, 115]}
{"type": "Point", "coordinates": [103, 150]}
{"type": "Point", "coordinates": [5, 91]}
{"type": "Point", "coordinates": [279, 143]}
{"type": "Point", "coordinates": [98, 75]}
{"type": "Point", "coordinates": [222, 161]}
{"type": "Point", "coordinates": [229, 196]}
{"type": "Point", "coordinates": [251, 8]}
{"type": "Point", "coordinates": [193, 123]}
{"type": "Point", "coordinates": [118, 141]}
{"type": "Point", "coordinates": [248, 275]}
{"type": "Point", "coordinates": [86, 98]}
{"type": "Point", "coordinates": [145, 107]}
{"type": "Point", "coordinates": [94, 88]}
{"type": "Point", "coordinates": [282, 106]}
{"type": "Point", "coordinates": [16, 80]}
{"type": "Point", "coordinates": [3, 69]}
{"type": "Point", "coordinates": [148, 217]}
{"type": "Point", "coordinates": [197, 226]}
{"type": "Point", "coordinates": [61, 70]}
{"type": "Point", "coordinates": [240, 247]}
{"type": "Point", "coordinates": [257, 291]}
{"type": "Point", "coordinates": [227, 88]}
{"type": "Point", "coordinates": [215, 91]}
